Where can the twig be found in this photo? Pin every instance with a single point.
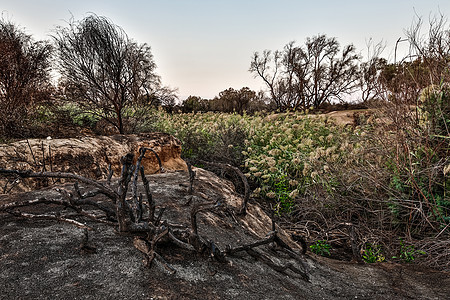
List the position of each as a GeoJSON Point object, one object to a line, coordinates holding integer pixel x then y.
{"type": "Point", "coordinates": [158, 218]}
{"type": "Point", "coordinates": [180, 243]}
{"type": "Point", "coordinates": [269, 239]}
{"type": "Point", "coordinates": [278, 268]}
{"type": "Point", "coordinates": [110, 174]}
{"type": "Point", "coordinates": [32, 153]}
{"type": "Point", "coordinates": [191, 178]}
{"type": "Point", "coordinates": [49, 217]}
{"type": "Point", "coordinates": [161, 169]}
{"type": "Point", "coordinates": [28, 174]}
{"type": "Point", "coordinates": [43, 157]}
{"type": "Point", "coordinates": [151, 203]}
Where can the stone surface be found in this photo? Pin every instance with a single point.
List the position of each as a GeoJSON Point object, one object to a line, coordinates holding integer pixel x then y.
{"type": "Point", "coordinates": [86, 156]}
{"type": "Point", "coordinates": [42, 259]}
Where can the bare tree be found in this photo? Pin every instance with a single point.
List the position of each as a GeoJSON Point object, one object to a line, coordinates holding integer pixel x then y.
{"type": "Point", "coordinates": [433, 47]}
{"type": "Point", "coordinates": [271, 75]}
{"type": "Point", "coordinates": [24, 76]}
{"type": "Point", "coordinates": [308, 76]}
{"type": "Point", "coordinates": [370, 71]}
{"type": "Point", "coordinates": [102, 69]}
{"type": "Point", "coordinates": [331, 75]}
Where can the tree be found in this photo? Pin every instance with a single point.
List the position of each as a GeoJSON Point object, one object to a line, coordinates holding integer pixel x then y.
{"type": "Point", "coordinates": [195, 104]}
{"type": "Point", "coordinates": [370, 71]}
{"type": "Point", "coordinates": [308, 76]}
{"type": "Point", "coordinates": [231, 100]}
{"type": "Point", "coordinates": [24, 76]}
{"type": "Point", "coordinates": [103, 70]}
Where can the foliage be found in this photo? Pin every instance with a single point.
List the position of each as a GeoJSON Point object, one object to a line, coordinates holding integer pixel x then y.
{"type": "Point", "coordinates": [372, 254]}
{"type": "Point", "coordinates": [24, 77]}
{"type": "Point", "coordinates": [408, 253]}
{"type": "Point", "coordinates": [103, 70]}
{"type": "Point", "coordinates": [321, 247]}
{"type": "Point", "coordinates": [320, 174]}
{"type": "Point", "coordinates": [228, 101]}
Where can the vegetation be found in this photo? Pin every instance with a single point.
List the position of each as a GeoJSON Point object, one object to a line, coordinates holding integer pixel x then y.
{"type": "Point", "coordinates": [321, 248]}
{"type": "Point", "coordinates": [301, 77]}
{"type": "Point", "coordinates": [366, 184]}
{"type": "Point", "coordinates": [372, 254]}
{"type": "Point", "coordinates": [24, 77]}
{"type": "Point", "coordinates": [103, 70]}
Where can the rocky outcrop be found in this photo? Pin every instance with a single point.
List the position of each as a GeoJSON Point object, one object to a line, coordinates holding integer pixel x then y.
{"type": "Point", "coordinates": [42, 259]}
{"type": "Point", "coordinates": [86, 156]}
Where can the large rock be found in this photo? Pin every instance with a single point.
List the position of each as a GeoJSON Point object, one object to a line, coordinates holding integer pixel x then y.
{"type": "Point", "coordinates": [41, 259]}
{"type": "Point", "coordinates": [86, 156]}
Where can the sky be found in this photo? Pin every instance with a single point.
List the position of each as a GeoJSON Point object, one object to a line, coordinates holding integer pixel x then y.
{"type": "Point", "coordinates": [203, 47]}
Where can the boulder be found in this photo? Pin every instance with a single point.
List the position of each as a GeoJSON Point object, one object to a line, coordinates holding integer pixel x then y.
{"type": "Point", "coordinates": [86, 156]}
{"type": "Point", "coordinates": [43, 259]}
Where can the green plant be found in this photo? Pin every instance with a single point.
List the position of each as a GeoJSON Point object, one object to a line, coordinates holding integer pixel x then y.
{"type": "Point", "coordinates": [321, 247]}
{"type": "Point", "coordinates": [372, 254]}
{"type": "Point", "coordinates": [408, 253]}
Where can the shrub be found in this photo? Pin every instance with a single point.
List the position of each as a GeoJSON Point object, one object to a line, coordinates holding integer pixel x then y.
{"type": "Point", "coordinates": [321, 247]}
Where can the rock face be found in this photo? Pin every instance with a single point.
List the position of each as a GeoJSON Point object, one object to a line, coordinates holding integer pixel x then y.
{"type": "Point", "coordinates": [41, 259]}
{"type": "Point", "coordinates": [86, 156]}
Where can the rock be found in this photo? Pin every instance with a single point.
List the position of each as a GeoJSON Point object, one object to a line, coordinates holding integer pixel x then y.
{"type": "Point", "coordinates": [41, 259]}
{"type": "Point", "coordinates": [86, 156]}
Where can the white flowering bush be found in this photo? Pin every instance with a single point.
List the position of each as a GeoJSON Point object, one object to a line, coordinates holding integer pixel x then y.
{"type": "Point", "coordinates": [285, 155]}
{"type": "Point", "coordinates": [322, 175]}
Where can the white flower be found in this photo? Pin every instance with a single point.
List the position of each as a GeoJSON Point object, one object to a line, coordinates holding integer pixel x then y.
{"type": "Point", "coordinates": [294, 194]}
{"type": "Point", "coordinates": [447, 169]}
{"type": "Point", "coordinates": [271, 195]}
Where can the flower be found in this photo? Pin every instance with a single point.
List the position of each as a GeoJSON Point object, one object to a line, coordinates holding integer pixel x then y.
{"type": "Point", "coordinates": [271, 195]}
{"type": "Point", "coordinates": [294, 194]}
{"type": "Point", "coordinates": [271, 162]}
{"type": "Point", "coordinates": [447, 169]}
{"type": "Point", "coordinates": [293, 182]}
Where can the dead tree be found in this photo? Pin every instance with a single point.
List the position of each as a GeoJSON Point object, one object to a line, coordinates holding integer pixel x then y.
{"type": "Point", "coordinates": [133, 213]}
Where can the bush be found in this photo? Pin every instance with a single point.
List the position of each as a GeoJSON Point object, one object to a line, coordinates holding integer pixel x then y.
{"type": "Point", "coordinates": [319, 175]}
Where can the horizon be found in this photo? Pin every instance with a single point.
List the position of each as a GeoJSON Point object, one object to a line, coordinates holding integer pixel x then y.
{"type": "Point", "coordinates": [202, 48]}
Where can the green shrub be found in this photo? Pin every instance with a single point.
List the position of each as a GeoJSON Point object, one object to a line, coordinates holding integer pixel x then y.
{"type": "Point", "coordinates": [408, 253]}
{"type": "Point", "coordinates": [372, 254]}
{"type": "Point", "coordinates": [321, 247]}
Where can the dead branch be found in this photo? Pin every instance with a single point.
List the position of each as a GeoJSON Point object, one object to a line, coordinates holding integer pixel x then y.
{"type": "Point", "coordinates": [49, 217]}
{"type": "Point", "coordinates": [128, 213]}
{"type": "Point", "coordinates": [110, 174]}
{"type": "Point", "coordinates": [191, 178]}
{"type": "Point", "coordinates": [29, 174]}
{"type": "Point", "coordinates": [161, 169]}
{"type": "Point", "coordinates": [150, 202]}
{"type": "Point", "coordinates": [269, 239]}
{"type": "Point", "coordinates": [279, 268]}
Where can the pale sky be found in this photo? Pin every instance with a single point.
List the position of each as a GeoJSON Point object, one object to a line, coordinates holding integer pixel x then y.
{"type": "Point", "coordinates": [204, 47]}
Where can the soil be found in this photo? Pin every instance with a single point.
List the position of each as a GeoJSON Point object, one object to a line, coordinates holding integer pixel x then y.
{"type": "Point", "coordinates": [42, 259]}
